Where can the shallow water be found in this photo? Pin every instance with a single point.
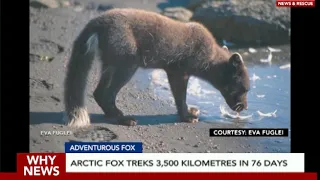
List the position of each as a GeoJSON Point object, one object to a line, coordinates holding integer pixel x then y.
{"type": "Point", "coordinates": [270, 91]}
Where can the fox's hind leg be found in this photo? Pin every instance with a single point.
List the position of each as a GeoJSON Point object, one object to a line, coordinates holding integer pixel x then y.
{"type": "Point", "coordinates": [113, 78]}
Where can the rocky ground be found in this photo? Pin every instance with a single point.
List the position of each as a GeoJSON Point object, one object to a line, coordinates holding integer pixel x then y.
{"type": "Point", "coordinates": [54, 25]}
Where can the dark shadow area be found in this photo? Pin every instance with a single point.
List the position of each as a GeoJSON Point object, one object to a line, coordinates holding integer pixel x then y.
{"type": "Point", "coordinates": [74, 141]}
{"type": "Point", "coordinates": [56, 118]}
{"type": "Point", "coordinates": [172, 3]}
{"type": "Point", "coordinates": [45, 117]}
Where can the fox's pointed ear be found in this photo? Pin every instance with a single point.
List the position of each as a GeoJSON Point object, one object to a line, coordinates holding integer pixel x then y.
{"type": "Point", "coordinates": [236, 59]}
{"type": "Point", "coordinates": [225, 48]}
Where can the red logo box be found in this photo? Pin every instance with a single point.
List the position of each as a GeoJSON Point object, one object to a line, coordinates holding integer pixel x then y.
{"type": "Point", "coordinates": [295, 3]}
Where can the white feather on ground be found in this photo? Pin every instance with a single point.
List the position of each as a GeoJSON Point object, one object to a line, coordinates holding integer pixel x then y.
{"type": "Point", "coordinates": [270, 114]}
{"type": "Point", "coordinates": [273, 49]}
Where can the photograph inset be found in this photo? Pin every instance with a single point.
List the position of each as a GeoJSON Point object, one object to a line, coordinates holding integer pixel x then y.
{"type": "Point", "coordinates": [160, 72]}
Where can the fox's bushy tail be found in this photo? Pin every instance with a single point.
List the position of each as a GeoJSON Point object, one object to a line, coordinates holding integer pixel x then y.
{"type": "Point", "coordinates": [80, 63]}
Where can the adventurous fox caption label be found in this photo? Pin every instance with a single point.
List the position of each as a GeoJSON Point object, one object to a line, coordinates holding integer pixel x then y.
{"type": "Point", "coordinates": [295, 3]}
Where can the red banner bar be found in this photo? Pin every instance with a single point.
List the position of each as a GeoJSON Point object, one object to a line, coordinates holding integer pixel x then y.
{"type": "Point", "coordinates": [52, 165]}
{"type": "Point", "coordinates": [161, 176]}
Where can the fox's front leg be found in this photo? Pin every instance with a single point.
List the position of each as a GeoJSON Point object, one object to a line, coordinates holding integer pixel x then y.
{"type": "Point", "coordinates": [178, 83]}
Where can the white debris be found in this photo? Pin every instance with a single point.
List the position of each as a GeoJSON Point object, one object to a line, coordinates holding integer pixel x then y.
{"type": "Point", "coordinates": [252, 50]}
{"type": "Point", "coordinates": [245, 53]}
{"type": "Point", "coordinates": [261, 95]}
{"type": "Point", "coordinates": [270, 114]}
{"type": "Point", "coordinates": [273, 49]}
{"type": "Point", "coordinates": [268, 60]}
{"type": "Point", "coordinates": [254, 77]}
{"type": "Point", "coordinates": [286, 66]}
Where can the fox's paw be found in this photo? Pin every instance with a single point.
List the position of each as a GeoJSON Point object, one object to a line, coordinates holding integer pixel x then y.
{"type": "Point", "coordinates": [192, 116]}
{"type": "Point", "coordinates": [191, 119]}
{"type": "Point", "coordinates": [194, 111]}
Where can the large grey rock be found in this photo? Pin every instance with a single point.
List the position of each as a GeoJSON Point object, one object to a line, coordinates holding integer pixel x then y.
{"type": "Point", "coordinates": [105, 6]}
{"type": "Point", "coordinates": [193, 4]}
{"type": "Point", "coordinates": [246, 21]}
{"type": "Point", "coordinates": [44, 3]}
{"type": "Point", "coordinates": [178, 13]}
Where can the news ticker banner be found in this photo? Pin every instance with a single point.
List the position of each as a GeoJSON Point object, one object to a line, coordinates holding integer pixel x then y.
{"type": "Point", "coordinates": [184, 162]}
{"type": "Point", "coordinates": [296, 3]}
{"type": "Point", "coordinates": [127, 157]}
{"type": "Point", "coordinates": [55, 164]}
{"type": "Point", "coordinates": [106, 157]}
{"type": "Point", "coordinates": [88, 159]}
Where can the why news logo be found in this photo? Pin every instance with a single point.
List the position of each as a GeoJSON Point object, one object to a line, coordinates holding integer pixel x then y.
{"type": "Point", "coordinates": [295, 3]}
{"type": "Point", "coordinates": [41, 164]}
{"type": "Point", "coordinates": [276, 132]}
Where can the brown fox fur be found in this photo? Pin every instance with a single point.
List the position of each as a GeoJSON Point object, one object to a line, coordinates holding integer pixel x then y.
{"type": "Point", "coordinates": [127, 39]}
